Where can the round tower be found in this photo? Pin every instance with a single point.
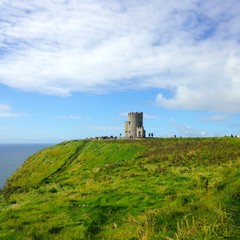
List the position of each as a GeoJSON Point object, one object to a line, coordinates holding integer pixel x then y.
{"type": "Point", "coordinates": [135, 125]}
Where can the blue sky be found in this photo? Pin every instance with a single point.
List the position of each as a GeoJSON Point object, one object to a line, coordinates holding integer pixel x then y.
{"type": "Point", "coordinates": [73, 69]}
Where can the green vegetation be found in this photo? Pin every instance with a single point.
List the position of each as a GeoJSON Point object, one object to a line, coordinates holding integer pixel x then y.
{"type": "Point", "coordinates": [119, 189]}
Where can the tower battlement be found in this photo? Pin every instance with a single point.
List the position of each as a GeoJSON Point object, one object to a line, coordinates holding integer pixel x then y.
{"type": "Point", "coordinates": [135, 114]}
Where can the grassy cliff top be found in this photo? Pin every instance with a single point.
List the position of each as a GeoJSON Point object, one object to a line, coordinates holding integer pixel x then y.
{"type": "Point", "coordinates": [126, 189]}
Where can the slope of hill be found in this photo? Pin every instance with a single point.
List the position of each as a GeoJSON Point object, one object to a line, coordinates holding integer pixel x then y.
{"type": "Point", "coordinates": [119, 189]}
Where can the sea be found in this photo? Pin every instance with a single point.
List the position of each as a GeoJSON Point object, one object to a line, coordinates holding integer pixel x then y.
{"type": "Point", "coordinates": [12, 156]}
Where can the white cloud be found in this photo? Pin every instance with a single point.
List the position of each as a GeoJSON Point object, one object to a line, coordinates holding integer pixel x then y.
{"type": "Point", "coordinates": [5, 112]}
{"type": "Point", "coordinates": [190, 47]}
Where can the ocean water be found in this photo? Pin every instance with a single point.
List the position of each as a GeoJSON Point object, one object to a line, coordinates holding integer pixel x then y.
{"type": "Point", "coordinates": [12, 156]}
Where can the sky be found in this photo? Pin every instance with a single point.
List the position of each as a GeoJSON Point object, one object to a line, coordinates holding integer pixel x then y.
{"type": "Point", "coordinates": [73, 69]}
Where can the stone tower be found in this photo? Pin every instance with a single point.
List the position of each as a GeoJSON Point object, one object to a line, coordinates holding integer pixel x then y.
{"type": "Point", "coordinates": [133, 128]}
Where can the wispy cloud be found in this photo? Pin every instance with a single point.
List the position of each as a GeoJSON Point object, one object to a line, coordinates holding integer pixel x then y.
{"type": "Point", "coordinates": [123, 114]}
{"type": "Point", "coordinates": [215, 118]}
{"type": "Point", "coordinates": [188, 131]}
{"type": "Point", "coordinates": [5, 112]}
{"type": "Point", "coordinates": [4, 128]}
{"type": "Point", "coordinates": [103, 128]}
{"type": "Point", "coordinates": [71, 117]}
{"type": "Point", "coordinates": [150, 116]}
{"type": "Point", "coordinates": [190, 47]}
{"type": "Point", "coordinates": [235, 125]}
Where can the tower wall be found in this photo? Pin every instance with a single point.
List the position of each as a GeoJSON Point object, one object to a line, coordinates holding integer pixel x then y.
{"type": "Point", "coordinates": [140, 132]}
{"type": "Point", "coordinates": [126, 129]}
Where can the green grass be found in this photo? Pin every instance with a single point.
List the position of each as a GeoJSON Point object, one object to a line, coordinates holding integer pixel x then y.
{"type": "Point", "coordinates": [136, 189]}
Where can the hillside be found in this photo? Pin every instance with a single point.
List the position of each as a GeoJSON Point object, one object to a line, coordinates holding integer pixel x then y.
{"type": "Point", "coordinates": [120, 189]}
